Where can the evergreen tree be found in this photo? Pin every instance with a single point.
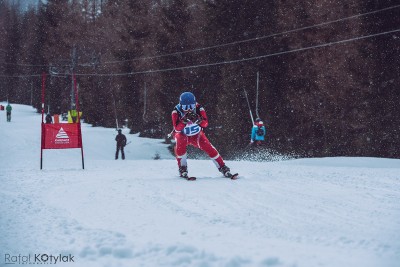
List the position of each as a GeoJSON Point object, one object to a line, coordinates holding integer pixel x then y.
{"type": "Point", "coordinates": [12, 42]}
{"type": "Point", "coordinates": [383, 80]}
{"type": "Point", "coordinates": [339, 99]}
{"type": "Point", "coordinates": [324, 100]}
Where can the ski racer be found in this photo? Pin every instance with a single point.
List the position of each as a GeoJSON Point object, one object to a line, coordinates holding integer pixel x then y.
{"type": "Point", "coordinates": [188, 119]}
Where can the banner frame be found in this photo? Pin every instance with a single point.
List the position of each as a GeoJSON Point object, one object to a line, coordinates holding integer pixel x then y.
{"type": "Point", "coordinates": [43, 126]}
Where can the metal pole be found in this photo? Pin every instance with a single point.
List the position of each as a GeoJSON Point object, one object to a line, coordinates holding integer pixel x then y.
{"type": "Point", "coordinates": [80, 138]}
{"type": "Point", "coordinates": [115, 106]}
{"type": "Point", "coordinates": [144, 105]}
{"type": "Point", "coordinates": [31, 93]}
{"type": "Point", "coordinates": [43, 132]}
{"type": "Point", "coordinates": [258, 116]}
{"type": "Point", "coordinates": [72, 78]}
{"type": "Point", "coordinates": [41, 147]}
{"type": "Point", "coordinates": [79, 118]}
{"type": "Point", "coordinates": [43, 93]}
{"type": "Point", "coordinates": [248, 103]}
{"type": "Point", "coordinates": [115, 112]}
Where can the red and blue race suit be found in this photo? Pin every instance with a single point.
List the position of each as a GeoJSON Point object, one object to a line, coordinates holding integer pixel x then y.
{"type": "Point", "coordinates": [190, 132]}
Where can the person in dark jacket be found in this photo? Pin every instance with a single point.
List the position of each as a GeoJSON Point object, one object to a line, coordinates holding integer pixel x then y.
{"type": "Point", "coordinates": [49, 118]}
{"type": "Point", "coordinates": [8, 109]}
{"type": "Point", "coordinates": [121, 143]}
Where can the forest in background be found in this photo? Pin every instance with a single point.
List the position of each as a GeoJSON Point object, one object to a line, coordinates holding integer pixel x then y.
{"type": "Point", "coordinates": [133, 59]}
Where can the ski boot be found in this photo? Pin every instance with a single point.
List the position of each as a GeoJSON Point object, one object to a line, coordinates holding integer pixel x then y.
{"type": "Point", "coordinates": [183, 172]}
{"type": "Point", "coordinates": [227, 172]}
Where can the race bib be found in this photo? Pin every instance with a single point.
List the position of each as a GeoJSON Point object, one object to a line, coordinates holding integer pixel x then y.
{"type": "Point", "coordinates": [191, 129]}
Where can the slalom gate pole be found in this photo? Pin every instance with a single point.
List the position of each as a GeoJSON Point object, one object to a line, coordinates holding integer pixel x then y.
{"type": "Point", "coordinates": [79, 119]}
{"type": "Point", "coordinates": [42, 124]}
{"type": "Point", "coordinates": [248, 103]}
{"type": "Point", "coordinates": [43, 93]}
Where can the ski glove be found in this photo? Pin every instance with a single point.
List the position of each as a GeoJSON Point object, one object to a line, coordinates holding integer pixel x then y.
{"type": "Point", "coordinates": [185, 120]}
{"type": "Point", "coordinates": [199, 120]}
{"type": "Point", "coordinates": [192, 116]}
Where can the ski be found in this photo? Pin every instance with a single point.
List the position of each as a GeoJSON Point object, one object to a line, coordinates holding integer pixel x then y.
{"type": "Point", "coordinates": [227, 175]}
{"type": "Point", "coordinates": [232, 176]}
{"type": "Point", "coordinates": [189, 178]}
{"type": "Point", "coordinates": [185, 175]}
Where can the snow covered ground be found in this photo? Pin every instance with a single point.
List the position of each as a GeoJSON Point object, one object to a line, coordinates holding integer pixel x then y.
{"type": "Point", "coordinates": [137, 212]}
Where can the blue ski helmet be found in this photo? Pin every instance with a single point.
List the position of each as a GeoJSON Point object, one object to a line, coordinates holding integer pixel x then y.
{"type": "Point", "coordinates": [187, 101]}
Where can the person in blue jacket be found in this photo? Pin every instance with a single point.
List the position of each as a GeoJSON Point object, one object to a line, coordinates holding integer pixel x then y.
{"type": "Point", "coordinates": [258, 133]}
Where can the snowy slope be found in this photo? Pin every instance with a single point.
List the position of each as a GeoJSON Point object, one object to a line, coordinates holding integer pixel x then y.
{"type": "Point", "coordinates": [137, 212]}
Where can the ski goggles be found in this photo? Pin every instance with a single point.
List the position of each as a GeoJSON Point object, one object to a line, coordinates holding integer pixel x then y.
{"type": "Point", "coordinates": [187, 107]}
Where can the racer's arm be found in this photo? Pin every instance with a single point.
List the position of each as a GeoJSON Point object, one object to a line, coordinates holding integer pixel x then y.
{"type": "Point", "coordinates": [177, 123]}
{"type": "Point", "coordinates": [204, 120]}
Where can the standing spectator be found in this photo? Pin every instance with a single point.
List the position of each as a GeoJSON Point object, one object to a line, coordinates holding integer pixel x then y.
{"type": "Point", "coordinates": [74, 114]}
{"type": "Point", "coordinates": [49, 118]}
{"type": "Point", "coordinates": [121, 143]}
{"type": "Point", "coordinates": [8, 109]}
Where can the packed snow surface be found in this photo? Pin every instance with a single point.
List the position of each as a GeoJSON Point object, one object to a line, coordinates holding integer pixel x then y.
{"type": "Point", "coordinates": [138, 212]}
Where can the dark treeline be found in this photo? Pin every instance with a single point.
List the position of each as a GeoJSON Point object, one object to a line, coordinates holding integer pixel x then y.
{"type": "Point", "coordinates": [129, 58]}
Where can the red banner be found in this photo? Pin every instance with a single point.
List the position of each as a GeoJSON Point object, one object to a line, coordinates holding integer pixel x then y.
{"type": "Point", "coordinates": [61, 135]}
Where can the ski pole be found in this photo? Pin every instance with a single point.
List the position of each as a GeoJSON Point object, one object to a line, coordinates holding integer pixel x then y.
{"type": "Point", "coordinates": [128, 143]}
{"type": "Point", "coordinates": [248, 103]}
{"type": "Point", "coordinates": [170, 134]}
